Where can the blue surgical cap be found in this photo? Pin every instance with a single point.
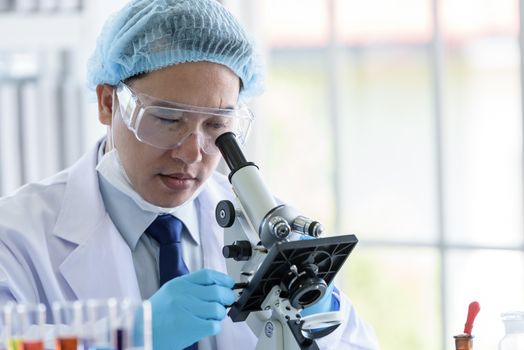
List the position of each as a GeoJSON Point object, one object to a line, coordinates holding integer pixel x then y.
{"type": "Point", "coordinates": [147, 35]}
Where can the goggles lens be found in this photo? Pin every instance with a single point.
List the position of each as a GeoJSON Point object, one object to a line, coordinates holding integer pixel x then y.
{"type": "Point", "coordinates": [166, 124]}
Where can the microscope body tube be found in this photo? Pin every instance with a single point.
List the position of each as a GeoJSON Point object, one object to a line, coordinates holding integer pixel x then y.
{"type": "Point", "coordinates": [251, 190]}
{"type": "Point", "coordinates": [253, 194]}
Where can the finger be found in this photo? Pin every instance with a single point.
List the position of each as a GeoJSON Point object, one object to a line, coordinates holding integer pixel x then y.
{"type": "Point", "coordinates": [207, 310]}
{"type": "Point", "coordinates": [201, 328]}
{"type": "Point", "coordinates": [207, 327]}
{"type": "Point", "coordinates": [306, 237]}
{"type": "Point", "coordinates": [214, 293]}
{"type": "Point", "coordinates": [208, 277]}
{"type": "Point", "coordinates": [193, 330]}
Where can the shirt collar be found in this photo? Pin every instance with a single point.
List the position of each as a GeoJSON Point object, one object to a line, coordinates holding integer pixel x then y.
{"type": "Point", "coordinates": [131, 220]}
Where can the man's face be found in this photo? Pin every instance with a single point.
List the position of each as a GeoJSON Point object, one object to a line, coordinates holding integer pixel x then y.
{"type": "Point", "coordinates": [167, 178]}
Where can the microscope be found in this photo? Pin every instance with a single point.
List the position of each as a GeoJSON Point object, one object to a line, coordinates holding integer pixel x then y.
{"type": "Point", "coordinates": [278, 259]}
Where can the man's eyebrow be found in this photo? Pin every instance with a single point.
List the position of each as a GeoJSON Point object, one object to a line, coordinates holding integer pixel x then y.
{"type": "Point", "coordinates": [163, 103]}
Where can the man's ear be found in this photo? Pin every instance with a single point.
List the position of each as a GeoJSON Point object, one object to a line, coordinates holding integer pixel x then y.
{"type": "Point", "coordinates": [104, 94]}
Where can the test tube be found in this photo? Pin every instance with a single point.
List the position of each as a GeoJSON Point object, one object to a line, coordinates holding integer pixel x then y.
{"type": "Point", "coordinates": [97, 334]}
{"type": "Point", "coordinates": [131, 324]}
{"type": "Point", "coordinates": [117, 331]}
{"type": "Point", "coordinates": [26, 326]}
{"type": "Point", "coordinates": [68, 318]}
{"type": "Point", "coordinates": [114, 325]}
{"type": "Point", "coordinates": [6, 332]}
{"type": "Point", "coordinates": [11, 339]}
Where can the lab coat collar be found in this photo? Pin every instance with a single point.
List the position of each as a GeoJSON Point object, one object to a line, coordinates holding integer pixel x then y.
{"type": "Point", "coordinates": [101, 266]}
{"type": "Point", "coordinates": [131, 220]}
{"type": "Point", "coordinates": [81, 194]}
{"type": "Point", "coordinates": [187, 213]}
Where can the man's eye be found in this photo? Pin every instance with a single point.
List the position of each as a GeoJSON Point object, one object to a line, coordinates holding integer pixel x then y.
{"type": "Point", "coordinates": [218, 124]}
{"type": "Point", "coordinates": [166, 121]}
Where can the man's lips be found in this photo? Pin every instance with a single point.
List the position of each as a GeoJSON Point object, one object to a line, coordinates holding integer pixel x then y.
{"type": "Point", "coordinates": [180, 176]}
{"type": "Point", "coordinates": [178, 181]}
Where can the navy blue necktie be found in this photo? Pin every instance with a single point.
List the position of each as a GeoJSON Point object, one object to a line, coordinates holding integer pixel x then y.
{"type": "Point", "coordinates": [167, 231]}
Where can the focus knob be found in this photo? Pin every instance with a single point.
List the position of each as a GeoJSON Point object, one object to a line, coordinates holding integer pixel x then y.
{"type": "Point", "coordinates": [239, 251]}
{"type": "Point", "coordinates": [225, 213]}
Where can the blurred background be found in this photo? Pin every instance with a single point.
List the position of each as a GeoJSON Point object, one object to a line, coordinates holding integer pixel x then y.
{"type": "Point", "coordinates": [398, 121]}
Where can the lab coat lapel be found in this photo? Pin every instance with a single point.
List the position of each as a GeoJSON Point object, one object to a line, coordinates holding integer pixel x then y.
{"type": "Point", "coordinates": [101, 265]}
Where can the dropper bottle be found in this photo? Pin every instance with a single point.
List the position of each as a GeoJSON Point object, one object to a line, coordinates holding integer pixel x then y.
{"type": "Point", "coordinates": [464, 341]}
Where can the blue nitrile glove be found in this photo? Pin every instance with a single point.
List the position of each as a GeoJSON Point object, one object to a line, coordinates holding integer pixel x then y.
{"type": "Point", "coordinates": [189, 308]}
{"type": "Point", "coordinates": [328, 302]}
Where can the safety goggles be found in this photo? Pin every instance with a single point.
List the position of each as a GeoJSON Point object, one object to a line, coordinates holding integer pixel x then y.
{"type": "Point", "coordinates": [167, 124]}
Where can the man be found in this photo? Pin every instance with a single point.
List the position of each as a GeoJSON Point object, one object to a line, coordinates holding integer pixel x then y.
{"type": "Point", "coordinates": [135, 216]}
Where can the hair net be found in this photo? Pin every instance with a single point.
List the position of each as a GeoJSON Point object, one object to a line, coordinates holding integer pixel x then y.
{"type": "Point", "coordinates": [147, 35]}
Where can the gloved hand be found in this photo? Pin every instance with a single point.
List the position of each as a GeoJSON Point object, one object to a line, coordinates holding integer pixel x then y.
{"type": "Point", "coordinates": [189, 308]}
{"type": "Point", "coordinates": [325, 304]}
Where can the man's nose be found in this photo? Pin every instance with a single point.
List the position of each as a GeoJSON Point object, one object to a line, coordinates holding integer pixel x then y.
{"type": "Point", "coordinates": [189, 150]}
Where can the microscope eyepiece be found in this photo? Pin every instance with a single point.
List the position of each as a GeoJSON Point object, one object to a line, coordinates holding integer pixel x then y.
{"type": "Point", "coordinates": [231, 152]}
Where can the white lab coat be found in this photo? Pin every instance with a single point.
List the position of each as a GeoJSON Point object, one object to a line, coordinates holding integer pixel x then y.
{"type": "Point", "coordinates": [57, 242]}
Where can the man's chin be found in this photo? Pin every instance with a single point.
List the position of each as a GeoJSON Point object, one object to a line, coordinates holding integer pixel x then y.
{"type": "Point", "coordinates": [169, 197]}
{"type": "Point", "coordinates": [175, 200]}
{"type": "Point", "coordinates": [170, 203]}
